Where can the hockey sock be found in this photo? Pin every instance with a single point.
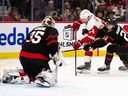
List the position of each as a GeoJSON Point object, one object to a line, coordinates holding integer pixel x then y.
{"type": "Point", "coordinates": [88, 56]}
{"type": "Point", "coordinates": [108, 58]}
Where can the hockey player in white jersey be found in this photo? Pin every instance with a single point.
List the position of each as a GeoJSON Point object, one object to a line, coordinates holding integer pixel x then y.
{"type": "Point", "coordinates": [94, 27]}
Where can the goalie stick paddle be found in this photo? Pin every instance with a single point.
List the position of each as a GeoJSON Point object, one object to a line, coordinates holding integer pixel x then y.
{"type": "Point", "coordinates": [56, 71]}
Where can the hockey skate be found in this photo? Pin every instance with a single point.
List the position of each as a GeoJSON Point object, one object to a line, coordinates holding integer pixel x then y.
{"type": "Point", "coordinates": [45, 79]}
{"type": "Point", "coordinates": [42, 83]}
{"type": "Point", "coordinates": [84, 68]}
{"type": "Point", "coordinates": [104, 70]}
{"type": "Point", "coordinates": [123, 68]}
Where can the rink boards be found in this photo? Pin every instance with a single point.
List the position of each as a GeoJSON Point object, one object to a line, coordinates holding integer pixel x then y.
{"type": "Point", "coordinates": [12, 35]}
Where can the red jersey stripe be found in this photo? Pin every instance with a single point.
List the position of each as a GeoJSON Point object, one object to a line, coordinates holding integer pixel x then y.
{"type": "Point", "coordinates": [53, 41]}
{"type": "Point", "coordinates": [33, 55]}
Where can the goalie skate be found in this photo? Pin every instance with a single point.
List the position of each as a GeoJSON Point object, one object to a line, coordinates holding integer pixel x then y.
{"type": "Point", "coordinates": [42, 83]}
{"type": "Point", "coordinates": [45, 79]}
{"type": "Point", "coordinates": [104, 70]}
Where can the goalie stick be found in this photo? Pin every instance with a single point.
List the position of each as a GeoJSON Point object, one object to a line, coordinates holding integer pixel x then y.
{"type": "Point", "coordinates": [75, 36]}
{"type": "Point", "coordinates": [56, 73]}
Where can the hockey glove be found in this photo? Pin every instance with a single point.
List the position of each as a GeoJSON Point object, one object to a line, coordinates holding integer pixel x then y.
{"type": "Point", "coordinates": [77, 44]}
{"type": "Point", "coordinates": [87, 47]}
{"type": "Point", "coordinates": [84, 31]}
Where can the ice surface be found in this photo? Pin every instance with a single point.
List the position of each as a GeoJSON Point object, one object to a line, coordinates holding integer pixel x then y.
{"type": "Point", "coordinates": [112, 84]}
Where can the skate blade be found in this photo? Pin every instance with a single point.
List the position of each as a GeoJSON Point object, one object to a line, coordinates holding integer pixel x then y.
{"type": "Point", "coordinates": [103, 72]}
{"type": "Point", "coordinates": [84, 71]}
{"type": "Point", "coordinates": [42, 84]}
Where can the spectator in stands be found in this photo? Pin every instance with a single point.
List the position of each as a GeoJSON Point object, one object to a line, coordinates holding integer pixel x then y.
{"type": "Point", "coordinates": [67, 5]}
{"type": "Point", "coordinates": [77, 13]}
{"type": "Point", "coordinates": [55, 16]}
{"type": "Point", "coordinates": [100, 5]}
{"type": "Point", "coordinates": [68, 16]}
{"type": "Point", "coordinates": [20, 4]}
{"type": "Point", "coordinates": [123, 18]}
{"type": "Point", "coordinates": [119, 11]}
{"type": "Point", "coordinates": [83, 3]}
{"type": "Point", "coordinates": [49, 7]}
{"type": "Point", "coordinates": [27, 14]}
{"type": "Point", "coordinates": [124, 3]}
{"type": "Point", "coordinates": [58, 8]}
{"type": "Point", "coordinates": [100, 14]}
{"type": "Point", "coordinates": [109, 3]}
{"type": "Point", "coordinates": [13, 15]}
{"type": "Point", "coordinates": [38, 9]}
{"type": "Point", "coordinates": [90, 5]}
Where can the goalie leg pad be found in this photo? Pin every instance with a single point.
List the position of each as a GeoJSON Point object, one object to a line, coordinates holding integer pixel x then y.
{"type": "Point", "coordinates": [15, 76]}
{"type": "Point", "coordinates": [45, 79]}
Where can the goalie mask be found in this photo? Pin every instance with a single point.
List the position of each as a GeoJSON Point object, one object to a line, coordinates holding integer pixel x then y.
{"type": "Point", "coordinates": [48, 21]}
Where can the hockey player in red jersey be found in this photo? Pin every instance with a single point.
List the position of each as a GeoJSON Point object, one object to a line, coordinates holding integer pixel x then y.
{"type": "Point", "coordinates": [38, 48]}
{"type": "Point", "coordinates": [118, 40]}
{"type": "Point", "coordinates": [92, 24]}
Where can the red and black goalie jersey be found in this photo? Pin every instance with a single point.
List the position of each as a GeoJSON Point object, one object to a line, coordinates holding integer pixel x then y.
{"type": "Point", "coordinates": [40, 42]}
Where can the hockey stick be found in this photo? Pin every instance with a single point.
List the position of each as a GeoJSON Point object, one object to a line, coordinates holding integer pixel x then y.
{"type": "Point", "coordinates": [75, 62]}
{"type": "Point", "coordinates": [75, 36]}
{"type": "Point", "coordinates": [55, 70]}
{"type": "Point", "coordinates": [56, 73]}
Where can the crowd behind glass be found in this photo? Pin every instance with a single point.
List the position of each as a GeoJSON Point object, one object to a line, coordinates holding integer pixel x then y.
{"type": "Point", "coordinates": [61, 10]}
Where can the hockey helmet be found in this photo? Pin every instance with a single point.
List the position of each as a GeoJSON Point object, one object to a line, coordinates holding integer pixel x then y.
{"type": "Point", "coordinates": [48, 21]}
{"type": "Point", "coordinates": [85, 13]}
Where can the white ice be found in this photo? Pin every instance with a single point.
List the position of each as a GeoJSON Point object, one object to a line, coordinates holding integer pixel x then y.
{"type": "Point", "coordinates": [113, 84]}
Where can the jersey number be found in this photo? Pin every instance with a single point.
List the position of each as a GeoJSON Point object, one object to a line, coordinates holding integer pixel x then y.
{"type": "Point", "coordinates": [35, 36]}
{"type": "Point", "coordinates": [124, 34]}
